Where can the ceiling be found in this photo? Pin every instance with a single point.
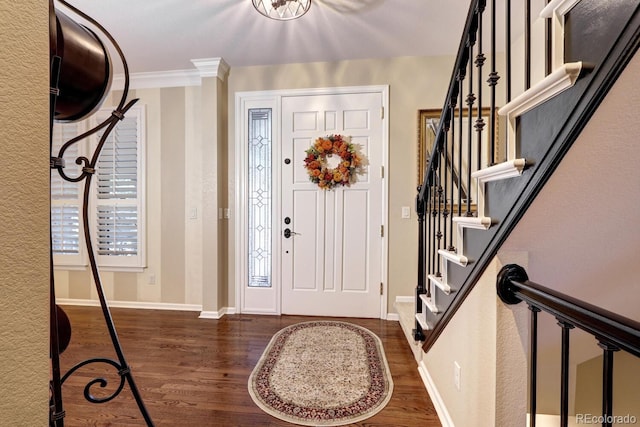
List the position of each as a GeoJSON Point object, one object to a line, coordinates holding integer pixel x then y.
{"type": "Point", "coordinates": [162, 35]}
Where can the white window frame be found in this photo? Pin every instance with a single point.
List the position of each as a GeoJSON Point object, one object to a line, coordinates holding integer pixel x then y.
{"type": "Point", "coordinates": [79, 261]}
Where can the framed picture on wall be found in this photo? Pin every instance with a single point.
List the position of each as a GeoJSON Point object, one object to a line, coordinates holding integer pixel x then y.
{"type": "Point", "coordinates": [428, 121]}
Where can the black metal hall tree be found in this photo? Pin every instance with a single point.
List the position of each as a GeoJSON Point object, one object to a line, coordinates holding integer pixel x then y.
{"type": "Point", "coordinates": [80, 77]}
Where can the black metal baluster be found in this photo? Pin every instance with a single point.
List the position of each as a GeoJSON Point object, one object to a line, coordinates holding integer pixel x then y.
{"type": "Point", "coordinates": [480, 59]}
{"type": "Point", "coordinates": [493, 81]}
{"type": "Point", "coordinates": [461, 77]}
{"type": "Point", "coordinates": [564, 373]}
{"type": "Point", "coordinates": [421, 250]}
{"type": "Point", "coordinates": [527, 44]}
{"type": "Point", "coordinates": [452, 109]}
{"type": "Point", "coordinates": [548, 48]}
{"type": "Point", "coordinates": [470, 101]}
{"type": "Point", "coordinates": [445, 151]}
{"type": "Point", "coordinates": [607, 382]}
{"type": "Point", "coordinates": [418, 334]}
{"type": "Point", "coordinates": [533, 364]}
{"type": "Point", "coordinates": [439, 218]}
{"type": "Point", "coordinates": [507, 48]}
{"type": "Point", "coordinates": [434, 214]}
{"type": "Point", "coordinates": [460, 107]}
{"type": "Point", "coordinates": [427, 203]}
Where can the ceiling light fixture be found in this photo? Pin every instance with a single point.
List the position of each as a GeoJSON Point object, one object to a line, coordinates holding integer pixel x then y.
{"type": "Point", "coordinates": [282, 10]}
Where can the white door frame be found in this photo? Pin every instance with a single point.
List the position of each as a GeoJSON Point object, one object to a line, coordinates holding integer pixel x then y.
{"type": "Point", "coordinates": [272, 99]}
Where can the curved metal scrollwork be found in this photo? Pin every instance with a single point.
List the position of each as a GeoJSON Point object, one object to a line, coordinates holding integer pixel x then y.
{"type": "Point", "coordinates": [87, 172]}
{"type": "Point", "coordinates": [101, 381]}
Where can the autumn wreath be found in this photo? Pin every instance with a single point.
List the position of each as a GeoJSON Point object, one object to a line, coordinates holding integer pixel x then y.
{"type": "Point", "coordinates": [318, 169]}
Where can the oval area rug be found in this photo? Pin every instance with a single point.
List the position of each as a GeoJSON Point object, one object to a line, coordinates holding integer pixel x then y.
{"type": "Point", "coordinates": [322, 373]}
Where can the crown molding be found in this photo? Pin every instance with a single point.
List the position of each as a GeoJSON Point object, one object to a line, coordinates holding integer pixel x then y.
{"type": "Point", "coordinates": [210, 67]}
{"type": "Point", "coordinates": [159, 79]}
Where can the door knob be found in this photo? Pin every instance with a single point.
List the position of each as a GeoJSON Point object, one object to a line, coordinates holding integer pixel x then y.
{"type": "Point", "coordinates": [288, 233]}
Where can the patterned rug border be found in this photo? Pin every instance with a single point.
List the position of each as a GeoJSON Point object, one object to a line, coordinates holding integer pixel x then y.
{"type": "Point", "coordinates": [382, 382]}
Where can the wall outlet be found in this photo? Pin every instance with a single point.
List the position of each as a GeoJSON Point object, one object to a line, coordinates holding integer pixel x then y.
{"type": "Point", "coordinates": [152, 279]}
{"type": "Point", "coordinates": [456, 375]}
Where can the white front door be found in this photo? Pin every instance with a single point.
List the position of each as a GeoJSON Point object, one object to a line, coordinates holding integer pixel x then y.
{"type": "Point", "coordinates": [332, 263]}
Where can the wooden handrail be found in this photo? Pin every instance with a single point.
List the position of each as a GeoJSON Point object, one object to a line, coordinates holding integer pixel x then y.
{"type": "Point", "coordinates": [514, 286]}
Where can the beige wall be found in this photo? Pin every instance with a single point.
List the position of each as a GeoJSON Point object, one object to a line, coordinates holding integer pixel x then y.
{"type": "Point", "coordinates": [492, 357]}
{"type": "Point", "coordinates": [415, 83]}
{"type": "Point", "coordinates": [24, 209]}
{"type": "Point", "coordinates": [190, 167]}
{"type": "Point", "coordinates": [626, 394]}
{"type": "Point", "coordinates": [183, 130]}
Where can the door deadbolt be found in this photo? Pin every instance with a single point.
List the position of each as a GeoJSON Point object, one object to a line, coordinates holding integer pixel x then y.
{"type": "Point", "coordinates": [287, 220]}
{"type": "Point", "coordinates": [287, 161]}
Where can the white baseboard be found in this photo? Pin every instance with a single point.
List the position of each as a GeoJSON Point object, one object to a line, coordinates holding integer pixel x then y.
{"type": "Point", "coordinates": [130, 304]}
{"type": "Point", "coordinates": [217, 314]}
{"type": "Point", "coordinates": [395, 317]}
{"type": "Point", "coordinates": [438, 403]}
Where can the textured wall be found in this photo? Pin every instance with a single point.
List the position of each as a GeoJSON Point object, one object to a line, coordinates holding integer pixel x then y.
{"type": "Point", "coordinates": [474, 404]}
{"type": "Point", "coordinates": [24, 211]}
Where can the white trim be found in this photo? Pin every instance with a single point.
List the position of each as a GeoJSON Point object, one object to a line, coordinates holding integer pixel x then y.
{"type": "Point", "coordinates": [436, 399]}
{"type": "Point", "coordinates": [405, 299]}
{"type": "Point", "coordinates": [130, 304]}
{"type": "Point", "coordinates": [429, 304]}
{"type": "Point", "coordinates": [554, 12]}
{"type": "Point", "coordinates": [478, 223]}
{"type": "Point", "coordinates": [212, 67]}
{"type": "Point", "coordinates": [440, 284]}
{"type": "Point", "coordinates": [454, 257]}
{"type": "Point", "coordinates": [422, 321]}
{"type": "Point", "coordinates": [393, 317]}
{"type": "Point", "coordinates": [558, 81]}
{"type": "Point", "coordinates": [241, 98]}
{"type": "Point", "coordinates": [160, 79]}
{"type": "Point", "coordinates": [206, 67]}
{"type": "Point", "coordinates": [558, 8]}
{"type": "Point", "coordinates": [217, 314]}
{"type": "Point", "coordinates": [505, 170]}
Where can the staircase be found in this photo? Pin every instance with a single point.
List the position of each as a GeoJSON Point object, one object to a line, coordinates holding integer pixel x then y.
{"type": "Point", "coordinates": [587, 45]}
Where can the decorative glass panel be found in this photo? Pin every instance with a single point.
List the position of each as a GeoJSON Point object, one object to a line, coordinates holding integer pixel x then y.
{"type": "Point", "coordinates": [260, 194]}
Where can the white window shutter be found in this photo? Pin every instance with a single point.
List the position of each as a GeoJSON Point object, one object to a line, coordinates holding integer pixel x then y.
{"type": "Point", "coordinates": [119, 194]}
{"type": "Point", "coordinates": [65, 229]}
{"type": "Point", "coordinates": [117, 230]}
{"type": "Point", "coordinates": [66, 222]}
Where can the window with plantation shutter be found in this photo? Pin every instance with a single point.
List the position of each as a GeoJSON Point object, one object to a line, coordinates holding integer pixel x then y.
{"type": "Point", "coordinates": [66, 221]}
{"type": "Point", "coordinates": [119, 193]}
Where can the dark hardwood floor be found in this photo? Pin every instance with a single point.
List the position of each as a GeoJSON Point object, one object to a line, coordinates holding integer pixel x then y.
{"type": "Point", "coordinates": [194, 372]}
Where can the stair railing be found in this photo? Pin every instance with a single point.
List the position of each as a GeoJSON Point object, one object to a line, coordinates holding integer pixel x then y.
{"type": "Point", "coordinates": [466, 145]}
{"type": "Point", "coordinates": [612, 332]}
{"type": "Point", "coordinates": [460, 145]}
